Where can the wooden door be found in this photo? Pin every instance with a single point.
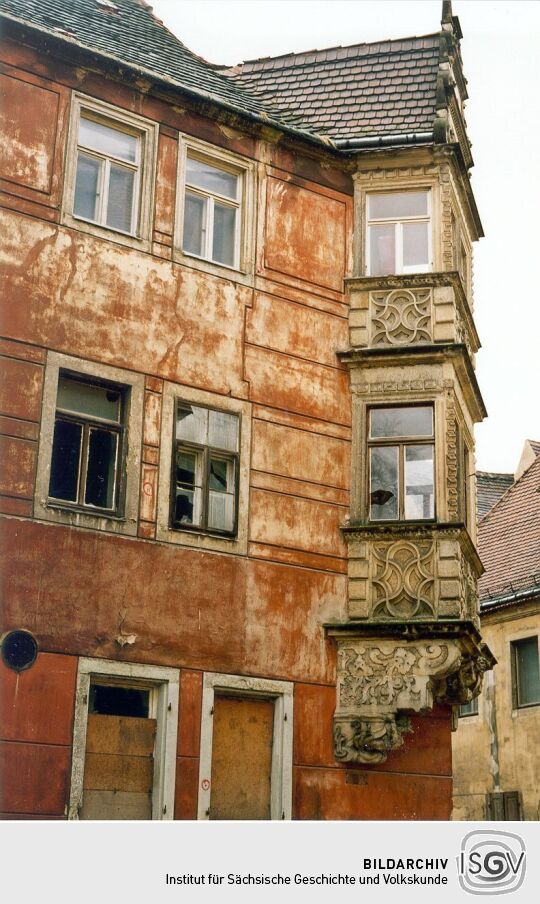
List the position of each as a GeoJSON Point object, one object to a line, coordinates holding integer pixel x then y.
{"type": "Point", "coordinates": [241, 758]}
{"type": "Point", "coordinates": [118, 768]}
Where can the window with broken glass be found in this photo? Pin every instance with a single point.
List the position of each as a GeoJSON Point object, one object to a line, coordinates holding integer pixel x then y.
{"type": "Point", "coordinates": [87, 445]}
{"type": "Point", "coordinates": [212, 212]}
{"type": "Point", "coordinates": [398, 235]}
{"type": "Point", "coordinates": [205, 470]}
{"type": "Point", "coordinates": [107, 176]}
{"type": "Point", "coordinates": [401, 464]}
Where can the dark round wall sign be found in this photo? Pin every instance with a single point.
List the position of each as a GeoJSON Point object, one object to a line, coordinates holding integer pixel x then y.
{"type": "Point", "coordinates": [19, 650]}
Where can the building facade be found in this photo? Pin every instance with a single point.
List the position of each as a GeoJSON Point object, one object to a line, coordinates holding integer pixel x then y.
{"type": "Point", "coordinates": [495, 750]}
{"type": "Point", "coordinates": [239, 536]}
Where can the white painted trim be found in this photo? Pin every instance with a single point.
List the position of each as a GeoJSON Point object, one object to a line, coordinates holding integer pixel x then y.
{"type": "Point", "coordinates": [165, 683]}
{"type": "Point", "coordinates": [282, 749]}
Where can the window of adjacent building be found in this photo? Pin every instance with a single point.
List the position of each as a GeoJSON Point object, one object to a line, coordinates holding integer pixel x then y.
{"type": "Point", "coordinates": [401, 463]}
{"type": "Point", "coordinates": [107, 177]}
{"type": "Point", "coordinates": [212, 211]}
{"type": "Point", "coordinates": [525, 672]}
{"type": "Point", "coordinates": [205, 469]}
{"type": "Point", "coordinates": [87, 444]}
{"type": "Point", "coordinates": [469, 709]}
{"type": "Point", "coordinates": [398, 233]}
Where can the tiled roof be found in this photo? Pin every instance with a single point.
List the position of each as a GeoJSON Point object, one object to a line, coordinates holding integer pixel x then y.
{"type": "Point", "coordinates": [489, 489]}
{"type": "Point", "coordinates": [128, 32]}
{"type": "Point", "coordinates": [509, 539]}
{"type": "Point", "coordinates": [384, 88]}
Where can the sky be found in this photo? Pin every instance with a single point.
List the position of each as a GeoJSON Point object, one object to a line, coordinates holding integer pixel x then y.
{"type": "Point", "coordinates": [500, 54]}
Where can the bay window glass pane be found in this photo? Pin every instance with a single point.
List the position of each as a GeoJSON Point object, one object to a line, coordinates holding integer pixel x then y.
{"type": "Point", "coordinates": [419, 490]}
{"type": "Point", "coordinates": [382, 249]}
{"type": "Point", "coordinates": [384, 483]}
{"type": "Point", "coordinates": [528, 676]}
{"type": "Point", "coordinates": [66, 453]}
{"type": "Point", "coordinates": [211, 179]}
{"type": "Point", "coordinates": [120, 200]}
{"type": "Point", "coordinates": [107, 140]}
{"type": "Point", "coordinates": [87, 181]}
{"type": "Point", "coordinates": [192, 424]}
{"type": "Point", "coordinates": [101, 468]}
{"type": "Point", "coordinates": [187, 507]}
{"type": "Point", "coordinates": [85, 398]}
{"type": "Point", "coordinates": [396, 205]}
{"type": "Point", "coordinates": [223, 431]}
{"type": "Point", "coordinates": [412, 421]}
{"type": "Point", "coordinates": [195, 217]}
{"type": "Point", "coordinates": [224, 234]}
{"type": "Point", "coordinates": [415, 244]}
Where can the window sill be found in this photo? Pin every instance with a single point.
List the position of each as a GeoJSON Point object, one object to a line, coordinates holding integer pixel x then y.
{"type": "Point", "coordinates": [108, 233]}
{"type": "Point", "coordinates": [243, 275]}
{"type": "Point", "coordinates": [79, 510]}
{"type": "Point", "coordinates": [199, 532]}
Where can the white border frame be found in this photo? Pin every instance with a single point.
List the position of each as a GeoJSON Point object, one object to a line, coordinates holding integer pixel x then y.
{"type": "Point", "coordinates": [398, 222]}
{"type": "Point", "coordinates": [148, 131]}
{"type": "Point", "coordinates": [282, 747]}
{"type": "Point", "coordinates": [166, 683]}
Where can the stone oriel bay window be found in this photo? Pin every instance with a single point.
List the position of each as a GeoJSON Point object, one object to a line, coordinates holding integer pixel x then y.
{"type": "Point", "coordinates": [90, 442]}
{"type": "Point", "coordinates": [215, 208]}
{"type": "Point", "coordinates": [110, 170]}
{"type": "Point", "coordinates": [401, 463]}
{"type": "Point", "coordinates": [398, 233]}
{"type": "Point", "coordinates": [203, 492]}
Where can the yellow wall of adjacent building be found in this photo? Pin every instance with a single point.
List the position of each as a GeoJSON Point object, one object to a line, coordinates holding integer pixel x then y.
{"type": "Point", "coordinates": [499, 749]}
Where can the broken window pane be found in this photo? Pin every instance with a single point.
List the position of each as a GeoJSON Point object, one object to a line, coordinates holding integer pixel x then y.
{"type": "Point", "coordinates": [87, 182]}
{"type": "Point", "coordinates": [101, 468]}
{"type": "Point", "coordinates": [114, 700]}
{"type": "Point", "coordinates": [66, 453]}
{"type": "Point", "coordinates": [221, 494]}
{"type": "Point", "coordinates": [419, 490]}
{"type": "Point", "coordinates": [86, 398]}
{"type": "Point", "coordinates": [187, 508]}
{"type": "Point", "coordinates": [192, 424]}
{"type": "Point", "coordinates": [120, 199]}
{"type": "Point", "coordinates": [384, 483]}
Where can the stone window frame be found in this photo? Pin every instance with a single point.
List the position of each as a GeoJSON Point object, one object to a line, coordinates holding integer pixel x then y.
{"type": "Point", "coordinates": [380, 181]}
{"type": "Point", "coordinates": [246, 168]}
{"type": "Point", "coordinates": [148, 132]}
{"type": "Point", "coordinates": [237, 544]}
{"type": "Point", "coordinates": [282, 749]}
{"type": "Point", "coordinates": [164, 683]}
{"type": "Point", "coordinates": [125, 522]}
{"type": "Point", "coordinates": [514, 642]}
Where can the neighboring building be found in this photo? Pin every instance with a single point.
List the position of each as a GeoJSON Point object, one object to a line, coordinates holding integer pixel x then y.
{"type": "Point", "coordinates": [240, 575]}
{"type": "Point", "coordinates": [497, 746]}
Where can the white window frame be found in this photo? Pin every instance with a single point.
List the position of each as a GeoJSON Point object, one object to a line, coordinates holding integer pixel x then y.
{"type": "Point", "coordinates": [211, 197]}
{"type": "Point", "coordinates": [144, 167]}
{"type": "Point", "coordinates": [398, 231]}
{"type": "Point", "coordinates": [201, 539]}
{"type": "Point", "coordinates": [282, 747]}
{"type": "Point", "coordinates": [245, 204]}
{"type": "Point", "coordinates": [124, 521]}
{"type": "Point", "coordinates": [164, 684]}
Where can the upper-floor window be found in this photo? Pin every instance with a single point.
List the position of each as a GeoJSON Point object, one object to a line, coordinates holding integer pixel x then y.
{"type": "Point", "coordinates": [110, 167]}
{"type": "Point", "coordinates": [212, 211]}
{"type": "Point", "coordinates": [107, 177]}
{"type": "Point", "coordinates": [469, 709]}
{"type": "Point", "coordinates": [205, 467]}
{"type": "Point", "coordinates": [87, 444]}
{"type": "Point", "coordinates": [398, 233]}
{"type": "Point", "coordinates": [401, 463]}
{"type": "Point", "coordinates": [525, 672]}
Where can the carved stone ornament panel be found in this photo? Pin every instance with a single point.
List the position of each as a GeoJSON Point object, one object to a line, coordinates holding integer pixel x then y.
{"type": "Point", "coordinates": [404, 579]}
{"type": "Point", "coordinates": [401, 317]}
{"type": "Point", "coordinates": [380, 681]}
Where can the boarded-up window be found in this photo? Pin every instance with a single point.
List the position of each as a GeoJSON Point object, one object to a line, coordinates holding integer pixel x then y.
{"type": "Point", "coordinates": [504, 805]}
{"type": "Point", "coordinates": [119, 761]}
{"type": "Point", "coordinates": [241, 757]}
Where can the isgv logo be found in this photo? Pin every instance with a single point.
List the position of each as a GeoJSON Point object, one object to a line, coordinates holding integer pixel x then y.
{"type": "Point", "coordinates": [491, 863]}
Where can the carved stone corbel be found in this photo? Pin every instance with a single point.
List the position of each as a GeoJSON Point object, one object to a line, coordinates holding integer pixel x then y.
{"type": "Point", "coordinates": [380, 680]}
